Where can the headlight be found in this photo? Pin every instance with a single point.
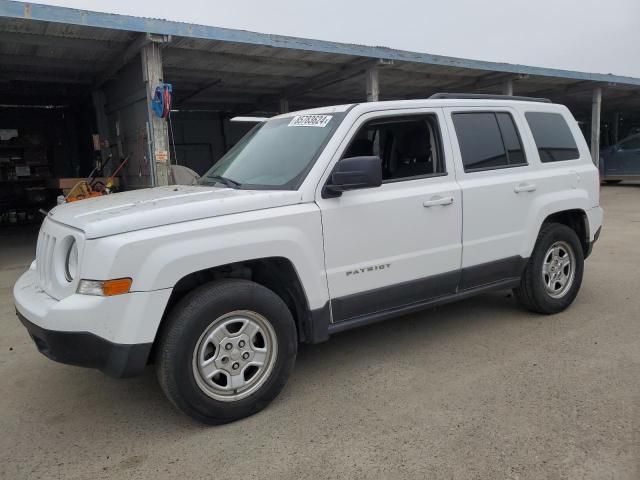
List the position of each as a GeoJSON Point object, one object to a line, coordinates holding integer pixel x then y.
{"type": "Point", "coordinates": [71, 264]}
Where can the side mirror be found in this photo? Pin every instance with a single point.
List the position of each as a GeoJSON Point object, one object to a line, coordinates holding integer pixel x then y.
{"type": "Point", "coordinates": [354, 173]}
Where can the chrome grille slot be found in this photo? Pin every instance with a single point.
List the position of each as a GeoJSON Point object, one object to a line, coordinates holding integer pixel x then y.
{"type": "Point", "coordinates": [40, 257]}
{"type": "Point", "coordinates": [51, 245]}
{"type": "Point", "coordinates": [44, 259]}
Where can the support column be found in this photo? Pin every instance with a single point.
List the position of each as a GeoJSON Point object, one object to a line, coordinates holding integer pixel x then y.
{"type": "Point", "coordinates": [284, 105]}
{"type": "Point", "coordinates": [102, 122]}
{"type": "Point", "coordinates": [152, 75]}
{"type": "Point", "coordinates": [373, 85]}
{"type": "Point", "coordinates": [596, 108]}
{"type": "Point", "coordinates": [507, 87]}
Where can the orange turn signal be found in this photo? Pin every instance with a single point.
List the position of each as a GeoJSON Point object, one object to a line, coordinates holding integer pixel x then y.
{"type": "Point", "coordinates": [116, 287]}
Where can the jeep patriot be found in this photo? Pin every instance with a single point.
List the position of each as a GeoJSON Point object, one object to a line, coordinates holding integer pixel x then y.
{"type": "Point", "coordinates": [317, 221]}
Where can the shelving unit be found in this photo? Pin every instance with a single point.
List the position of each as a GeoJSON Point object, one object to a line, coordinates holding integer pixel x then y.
{"type": "Point", "coordinates": [22, 196]}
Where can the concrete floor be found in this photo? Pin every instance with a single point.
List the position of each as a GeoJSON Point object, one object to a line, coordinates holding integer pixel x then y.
{"type": "Point", "coordinates": [481, 389]}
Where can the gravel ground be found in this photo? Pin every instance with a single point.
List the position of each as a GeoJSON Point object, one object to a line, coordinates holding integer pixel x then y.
{"type": "Point", "coordinates": [476, 390]}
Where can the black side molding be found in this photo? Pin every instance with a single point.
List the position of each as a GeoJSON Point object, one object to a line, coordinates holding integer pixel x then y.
{"type": "Point", "coordinates": [392, 296]}
{"type": "Point", "coordinates": [491, 272]}
{"type": "Point", "coordinates": [379, 304]}
{"type": "Point", "coordinates": [416, 307]}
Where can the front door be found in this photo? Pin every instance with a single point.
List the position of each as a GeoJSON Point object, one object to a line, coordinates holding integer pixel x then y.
{"type": "Point", "coordinates": [398, 244]}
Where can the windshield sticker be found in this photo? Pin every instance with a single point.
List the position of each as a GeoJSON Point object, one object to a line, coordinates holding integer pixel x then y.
{"type": "Point", "coordinates": [310, 121]}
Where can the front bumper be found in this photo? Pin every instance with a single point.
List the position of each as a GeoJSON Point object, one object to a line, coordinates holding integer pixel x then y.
{"type": "Point", "coordinates": [88, 350]}
{"type": "Point", "coordinates": [112, 334]}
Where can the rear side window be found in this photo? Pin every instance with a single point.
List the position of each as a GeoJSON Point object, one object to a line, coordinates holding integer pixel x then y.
{"type": "Point", "coordinates": [488, 140]}
{"type": "Point", "coordinates": [553, 137]}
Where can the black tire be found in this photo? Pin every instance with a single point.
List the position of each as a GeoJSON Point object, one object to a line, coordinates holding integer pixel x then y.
{"type": "Point", "coordinates": [612, 182]}
{"type": "Point", "coordinates": [186, 323]}
{"type": "Point", "coordinates": [532, 293]}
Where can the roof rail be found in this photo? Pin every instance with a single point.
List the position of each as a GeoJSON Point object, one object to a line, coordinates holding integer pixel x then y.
{"type": "Point", "coordinates": [483, 96]}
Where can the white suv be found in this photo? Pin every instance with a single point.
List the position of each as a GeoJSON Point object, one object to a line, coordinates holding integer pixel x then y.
{"type": "Point", "coordinates": [315, 222]}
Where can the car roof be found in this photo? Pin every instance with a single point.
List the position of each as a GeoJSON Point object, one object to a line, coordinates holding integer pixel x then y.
{"type": "Point", "coordinates": [489, 101]}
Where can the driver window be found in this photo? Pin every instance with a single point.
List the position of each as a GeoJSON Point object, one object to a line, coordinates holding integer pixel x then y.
{"type": "Point", "coordinates": [409, 147]}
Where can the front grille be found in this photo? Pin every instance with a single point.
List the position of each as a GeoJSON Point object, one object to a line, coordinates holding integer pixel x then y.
{"type": "Point", "coordinates": [44, 258]}
{"type": "Point", "coordinates": [54, 240]}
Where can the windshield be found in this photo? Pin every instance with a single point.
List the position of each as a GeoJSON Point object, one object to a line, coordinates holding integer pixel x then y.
{"type": "Point", "coordinates": [276, 154]}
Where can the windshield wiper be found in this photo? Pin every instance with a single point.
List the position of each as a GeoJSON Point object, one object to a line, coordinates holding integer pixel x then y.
{"type": "Point", "coordinates": [226, 181]}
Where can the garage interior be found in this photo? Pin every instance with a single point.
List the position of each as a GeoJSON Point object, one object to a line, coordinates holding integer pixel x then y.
{"type": "Point", "coordinates": [77, 87]}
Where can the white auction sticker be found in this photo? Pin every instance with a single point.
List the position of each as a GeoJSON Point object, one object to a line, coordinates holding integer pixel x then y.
{"type": "Point", "coordinates": [310, 121]}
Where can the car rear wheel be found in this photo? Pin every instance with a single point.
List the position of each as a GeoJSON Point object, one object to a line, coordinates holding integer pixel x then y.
{"type": "Point", "coordinates": [553, 275]}
{"type": "Point", "coordinates": [226, 351]}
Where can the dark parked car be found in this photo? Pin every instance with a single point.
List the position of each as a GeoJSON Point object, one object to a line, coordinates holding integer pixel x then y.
{"type": "Point", "coordinates": [621, 161]}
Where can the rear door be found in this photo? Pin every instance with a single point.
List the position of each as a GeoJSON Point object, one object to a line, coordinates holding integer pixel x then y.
{"type": "Point", "coordinates": [498, 191]}
{"type": "Point", "coordinates": [398, 244]}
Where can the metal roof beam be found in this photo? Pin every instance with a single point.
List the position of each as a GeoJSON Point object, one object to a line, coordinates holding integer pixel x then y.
{"type": "Point", "coordinates": [187, 88]}
{"type": "Point", "coordinates": [48, 62]}
{"type": "Point", "coordinates": [46, 78]}
{"type": "Point", "coordinates": [54, 89]}
{"type": "Point", "coordinates": [199, 91]}
{"type": "Point", "coordinates": [227, 99]}
{"type": "Point", "coordinates": [235, 108]}
{"type": "Point", "coordinates": [38, 40]}
{"type": "Point", "coordinates": [119, 60]}
{"type": "Point", "coordinates": [571, 89]}
{"type": "Point", "coordinates": [271, 102]}
{"type": "Point", "coordinates": [37, 98]}
{"type": "Point", "coordinates": [485, 81]}
{"type": "Point", "coordinates": [345, 72]}
{"type": "Point", "coordinates": [319, 82]}
{"type": "Point", "coordinates": [177, 71]}
{"type": "Point", "coordinates": [629, 100]}
{"type": "Point", "coordinates": [243, 104]}
{"type": "Point", "coordinates": [615, 95]}
{"type": "Point", "coordinates": [181, 54]}
{"type": "Point", "coordinates": [419, 77]}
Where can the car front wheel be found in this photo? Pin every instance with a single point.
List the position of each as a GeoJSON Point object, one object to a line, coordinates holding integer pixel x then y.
{"type": "Point", "coordinates": [226, 351]}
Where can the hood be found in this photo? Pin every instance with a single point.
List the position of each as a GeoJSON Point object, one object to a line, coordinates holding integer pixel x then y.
{"type": "Point", "coordinates": [154, 207]}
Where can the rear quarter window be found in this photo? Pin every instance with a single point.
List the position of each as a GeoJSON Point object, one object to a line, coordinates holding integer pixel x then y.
{"type": "Point", "coordinates": [553, 137]}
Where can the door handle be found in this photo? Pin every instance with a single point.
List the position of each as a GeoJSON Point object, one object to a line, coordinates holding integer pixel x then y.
{"type": "Point", "coordinates": [525, 187]}
{"type": "Point", "coordinates": [435, 201]}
